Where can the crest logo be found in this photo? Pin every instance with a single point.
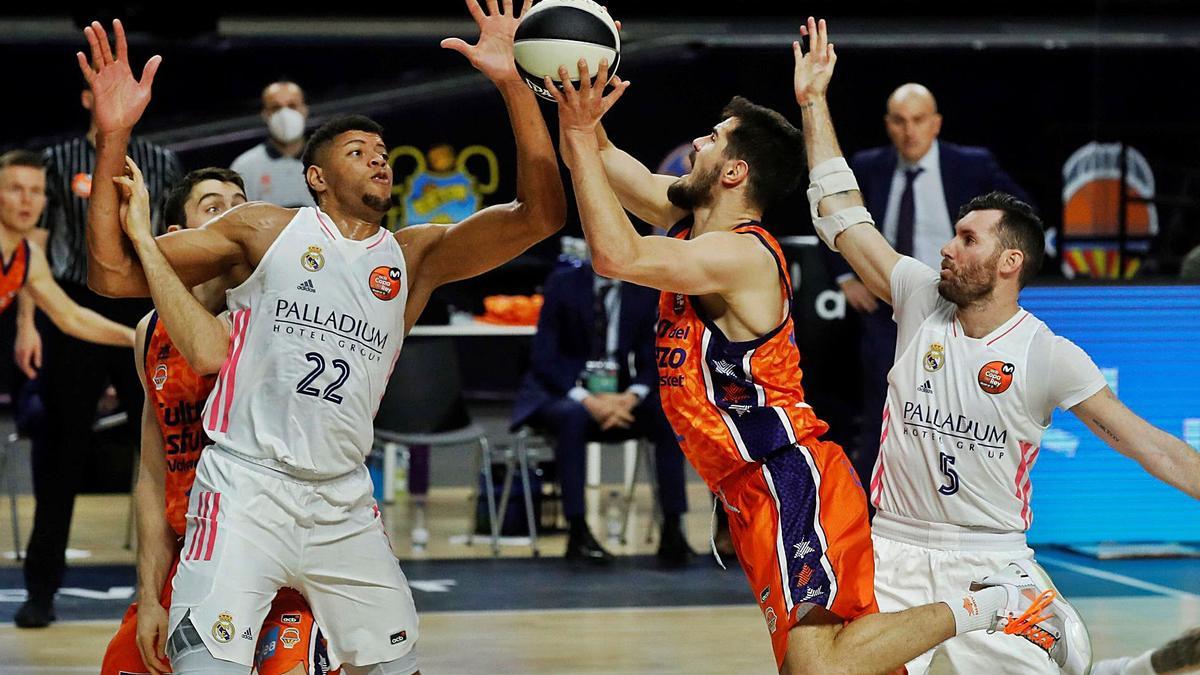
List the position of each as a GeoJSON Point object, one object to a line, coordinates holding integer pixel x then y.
{"type": "Point", "coordinates": [160, 376]}
{"type": "Point", "coordinates": [312, 259]}
{"type": "Point", "coordinates": [223, 630]}
{"type": "Point", "coordinates": [935, 358]}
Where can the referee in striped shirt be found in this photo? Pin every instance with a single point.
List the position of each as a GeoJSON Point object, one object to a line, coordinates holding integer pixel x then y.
{"type": "Point", "coordinates": [75, 373]}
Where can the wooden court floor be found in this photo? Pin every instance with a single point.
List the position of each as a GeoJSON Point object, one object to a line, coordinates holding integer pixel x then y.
{"type": "Point", "coordinates": [696, 639]}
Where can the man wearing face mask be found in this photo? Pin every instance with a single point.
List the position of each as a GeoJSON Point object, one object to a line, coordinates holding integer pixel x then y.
{"type": "Point", "coordinates": [272, 168]}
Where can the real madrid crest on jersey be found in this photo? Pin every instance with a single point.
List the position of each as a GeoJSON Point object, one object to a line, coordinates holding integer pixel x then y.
{"type": "Point", "coordinates": [312, 259]}
{"type": "Point", "coordinates": [935, 358]}
{"type": "Point", "coordinates": [222, 630]}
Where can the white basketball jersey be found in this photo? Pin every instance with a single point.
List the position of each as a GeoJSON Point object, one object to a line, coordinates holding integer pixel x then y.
{"type": "Point", "coordinates": [316, 330]}
{"type": "Point", "coordinates": [964, 417]}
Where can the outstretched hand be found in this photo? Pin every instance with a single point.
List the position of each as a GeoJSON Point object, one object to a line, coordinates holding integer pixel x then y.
{"type": "Point", "coordinates": [581, 109]}
{"type": "Point", "coordinates": [814, 69]}
{"type": "Point", "coordinates": [119, 99]}
{"type": "Point", "coordinates": [492, 55]}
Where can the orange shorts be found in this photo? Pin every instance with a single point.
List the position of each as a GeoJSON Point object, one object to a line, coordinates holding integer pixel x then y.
{"type": "Point", "coordinates": [289, 637]}
{"type": "Point", "coordinates": [799, 524]}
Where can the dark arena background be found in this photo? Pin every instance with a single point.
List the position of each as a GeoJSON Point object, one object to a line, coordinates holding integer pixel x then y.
{"type": "Point", "coordinates": [1084, 104]}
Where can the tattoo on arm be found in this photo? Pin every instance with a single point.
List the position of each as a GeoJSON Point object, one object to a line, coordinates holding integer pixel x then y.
{"type": "Point", "coordinates": [1178, 654]}
{"type": "Point", "coordinates": [1106, 430]}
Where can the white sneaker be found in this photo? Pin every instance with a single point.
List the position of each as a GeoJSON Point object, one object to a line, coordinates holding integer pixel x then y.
{"type": "Point", "coordinates": [1036, 612]}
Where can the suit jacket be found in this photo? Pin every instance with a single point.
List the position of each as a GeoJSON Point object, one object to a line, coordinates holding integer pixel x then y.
{"type": "Point", "coordinates": [564, 336]}
{"type": "Point", "coordinates": [967, 172]}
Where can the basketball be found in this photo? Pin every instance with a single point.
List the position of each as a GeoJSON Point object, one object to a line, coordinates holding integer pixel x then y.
{"type": "Point", "coordinates": [560, 32]}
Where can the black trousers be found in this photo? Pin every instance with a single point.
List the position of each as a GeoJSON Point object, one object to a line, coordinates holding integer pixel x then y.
{"type": "Point", "coordinates": [74, 375]}
{"type": "Point", "coordinates": [573, 427]}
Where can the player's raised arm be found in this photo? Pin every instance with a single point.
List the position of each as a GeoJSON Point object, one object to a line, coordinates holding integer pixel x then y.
{"type": "Point", "coordinates": [839, 216]}
{"type": "Point", "coordinates": [202, 338]}
{"type": "Point", "coordinates": [501, 232]}
{"type": "Point", "coordinates": [639, 190]}
{"type": "Point", "coordinates": [119, 101]}
{"type": "Point", "coordinates": [711, 263]}
{"type": "Point", "coordinates": [1162, 455]}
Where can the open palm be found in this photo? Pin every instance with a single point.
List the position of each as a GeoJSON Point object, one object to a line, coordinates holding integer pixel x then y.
{"type": "Point", "coordinates": [814, 69]}
{"type": "Point", "coordinates": [119, 99]}
{"type": "Point", "coordinates": [492, 55]}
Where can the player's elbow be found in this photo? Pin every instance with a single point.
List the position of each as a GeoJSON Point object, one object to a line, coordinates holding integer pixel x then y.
{"type": "Point", "coordinates": [544, 216]}
{"type": "Point", "coordinates": [109, 285]}
{"type": "Point", "coordinates": [208, 361]}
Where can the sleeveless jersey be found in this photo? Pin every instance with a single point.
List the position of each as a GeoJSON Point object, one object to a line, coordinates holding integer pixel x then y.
{"type": "Point", "coordinates": [316, 330]}
{"type": "Point", "coordinates": [730, 403]}
{"type": "Point", "coordinates": [964, 417]}
{"type": "Point", "coordinates": [177, 394]}
{"type": "Point", "coordinates": [13, 273]}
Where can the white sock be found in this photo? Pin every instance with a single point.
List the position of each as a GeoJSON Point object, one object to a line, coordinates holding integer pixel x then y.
{"type": "Point", "coordinates": [1139, 665]}
{"type": "Point", "coordinates": [974, 610]}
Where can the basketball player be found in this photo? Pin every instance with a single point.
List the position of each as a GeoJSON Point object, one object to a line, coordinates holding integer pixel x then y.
{"type": "Point", "coordinates": [729, 377]}
{"type": "Point", "coordinates": [974, 386]}
{"type": "Point", "coordinates": [282, 497]}
{"type": "Point", "coordinates": [22, 199]}
{"type": "Point", "coordinates": [175, 396]}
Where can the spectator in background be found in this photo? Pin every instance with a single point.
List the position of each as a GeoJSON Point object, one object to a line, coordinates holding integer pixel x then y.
{"type": "Point", "coordinates": [75, 372]}
{"type": "Point", "coordinates": [272, 169]}
{"type": "Point", "coordinates": [1189, 270]}
{"type": "Point", "coordinates": [915, 187]}
{"type": "Point", "coordinates": [595, 377]}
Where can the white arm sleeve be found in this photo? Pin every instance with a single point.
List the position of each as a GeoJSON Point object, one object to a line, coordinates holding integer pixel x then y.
{"type": "Point", "coordinates": [1072, 376]}
{"type": "Point", "coordinates": [914, 298]}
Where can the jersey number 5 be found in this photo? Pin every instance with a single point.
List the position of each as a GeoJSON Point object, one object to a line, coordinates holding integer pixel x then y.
{"type": "Point", "coordinates": [951, 476]}
{"type": "Point", "coordinates": [305, 387]}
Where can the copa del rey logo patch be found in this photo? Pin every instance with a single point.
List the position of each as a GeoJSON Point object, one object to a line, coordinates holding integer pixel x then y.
{"type": "Point", "coordinates": [385, 282]}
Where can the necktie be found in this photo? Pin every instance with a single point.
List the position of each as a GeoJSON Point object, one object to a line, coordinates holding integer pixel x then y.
{"type": "Point", "coordinates": [600, 321]}
{"type": "Point", "coordinates": [905, 220]}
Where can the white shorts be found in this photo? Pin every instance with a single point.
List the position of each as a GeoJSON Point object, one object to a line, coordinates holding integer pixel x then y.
{"type": "Point", "coordinates": [252, 530]}
{"type": "Point", "coordinates": [912, 569]}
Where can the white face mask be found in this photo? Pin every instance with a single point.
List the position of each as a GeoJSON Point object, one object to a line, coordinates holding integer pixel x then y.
{"type": "Point", "coordinates": [286, 125]}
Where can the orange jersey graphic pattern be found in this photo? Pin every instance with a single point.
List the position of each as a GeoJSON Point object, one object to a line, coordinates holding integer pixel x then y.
{"type": "Point", "coordinates": [13, 273]}
{"type": "Point", "coordinates": [730, 402]}
{"type": "Point", "coordinates": [177, 393]}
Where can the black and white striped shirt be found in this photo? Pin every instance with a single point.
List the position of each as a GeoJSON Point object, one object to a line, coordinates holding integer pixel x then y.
{"type": "Point", "coordinates": [69, 168]}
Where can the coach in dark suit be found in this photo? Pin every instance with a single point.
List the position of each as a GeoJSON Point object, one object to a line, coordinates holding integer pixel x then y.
{"type": "Point", "coordinates": [914, 189]}
{"type": "Point", "coordinates": [587, 321]}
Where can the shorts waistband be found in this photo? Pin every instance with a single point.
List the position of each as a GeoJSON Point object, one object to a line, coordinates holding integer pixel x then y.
{"type": "Point", "coordinates": [944, 536]}
{"type": "Point", "coordinates": [277, 470]}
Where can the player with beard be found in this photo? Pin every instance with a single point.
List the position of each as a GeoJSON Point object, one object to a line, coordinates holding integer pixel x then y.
{"type": "Point", "coordinates": [730, 384]}
{"type": "Point", "coordinates": [282, 496]}
{"type": "Point", "coordinates": [975, 382]}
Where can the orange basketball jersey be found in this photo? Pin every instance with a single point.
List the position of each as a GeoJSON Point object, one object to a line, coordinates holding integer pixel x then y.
{"type": "Point", "coordinates": [12, 275]}
{"type": "Point", "coordinates": [177, 393]}
{"type": "Point", "coordinates": [730, 403]}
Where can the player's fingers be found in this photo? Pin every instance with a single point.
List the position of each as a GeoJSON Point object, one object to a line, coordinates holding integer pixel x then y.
{"type": "Point", "coordinates": [493, 8]}
{"type": "Point", "coordinates": [585, 78]}
{"type": "Point", "coordinates": [85, 68]}
{"type": "Point", "coordinates": [568, 89]}
{"type": "Point", "coordinates": [558, 95]}
{"type": "Point", "coordinates": [615, 95]}
{"type": "Point", "coordinates": [150, 70]}
{"type": "Point", "coordinates": [93, 47]}
{"type": "Point", "coordinates": [475, 10]}
{"type": "Point", "coordinates": [602, 74]}
{"type": "Point", "coordinates": [507, 8]}
{"type": "Point", "coordinates": [102, 37]}
{"type": "Point", "coordinates": [456, 45]}
{"type": "Point", "coordinates": [119, 36]}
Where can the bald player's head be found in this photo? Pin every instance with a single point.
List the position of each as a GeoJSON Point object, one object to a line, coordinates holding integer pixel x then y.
{"type": "Point", "coordinates": [912, 120]}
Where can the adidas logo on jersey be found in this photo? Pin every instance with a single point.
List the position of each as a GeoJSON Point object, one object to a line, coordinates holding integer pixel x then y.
{"type": "Point", "coordinates": [247, 634]}
{"type": "Point", "coordinates": [307, 286]}
{"type": "Point", "coordinates": [925, 388]}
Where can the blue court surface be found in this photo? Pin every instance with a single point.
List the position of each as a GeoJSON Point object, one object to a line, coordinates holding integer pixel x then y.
{"type": "Point", "coordinates": [104, 591]}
